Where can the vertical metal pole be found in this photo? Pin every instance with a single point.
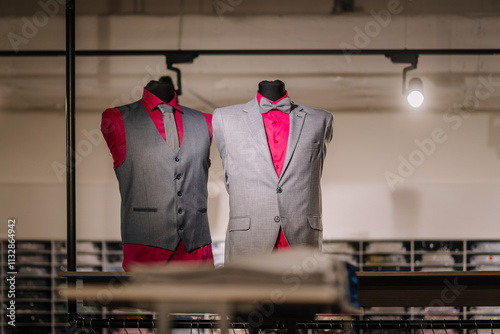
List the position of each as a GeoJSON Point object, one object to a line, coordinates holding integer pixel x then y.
{"type": "Point", "coordinates": [70, 149]}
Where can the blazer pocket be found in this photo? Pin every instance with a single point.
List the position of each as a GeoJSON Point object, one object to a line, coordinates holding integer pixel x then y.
{"type": "Point", "coordinates": [239, 224]}
{"type": "Point", "coordinates": [145, 209]}
{"type": "Point", "coordinates": [204, 210]}
{"type": "Point", "coordinates": [315, 223]}
{"type": "Point", "coordinates": [309, 145]}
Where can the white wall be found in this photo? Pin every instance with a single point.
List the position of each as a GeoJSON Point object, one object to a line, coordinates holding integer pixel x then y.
{"type": "Point", "coordinates": [454, 193]}
{"type": "Point", "coordinates": [451, 192]}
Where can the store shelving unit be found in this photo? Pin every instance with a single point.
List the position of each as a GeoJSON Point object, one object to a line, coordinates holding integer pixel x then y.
{"type": "Point", "coordinates": [421, 255]}
{"type": "Point", "coordinates": [42, 310]}
{"type": "Point", "coordinates": [414, 255]}
{"type": "Point", "coordinates": [39, 308]}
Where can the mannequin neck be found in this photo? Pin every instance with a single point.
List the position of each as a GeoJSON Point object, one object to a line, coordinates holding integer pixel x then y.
{"type": "Point", "coordinates": [162, 90]}
{"type": "Point", "coordinates": [272, 90]}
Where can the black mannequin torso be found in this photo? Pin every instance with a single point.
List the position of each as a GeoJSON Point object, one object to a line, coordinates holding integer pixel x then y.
{"type": "Point", "coordinates": [163, 90]}
{"type": "Point", "coordinates": [272, 90]}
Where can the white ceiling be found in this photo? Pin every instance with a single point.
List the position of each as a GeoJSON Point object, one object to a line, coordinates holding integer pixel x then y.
{"type": "Point", "coordinates": [336, 83]}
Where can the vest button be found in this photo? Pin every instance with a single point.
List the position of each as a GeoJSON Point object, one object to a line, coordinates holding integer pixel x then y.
{"type": "Point", "coordinates": [181, 228]}
{"type": "Point", "coordinates": [179, 193]}
{"type": "Point", "coordinates": [179, 211]}
{"type": "Point", "coordinates": [277, 219]}
{"type": "Point", "coordinates": [279, 190]}
{"type": "Point", "coordinates": [176, 159]}
{"type": "Point", "coordinates": [178, 177]}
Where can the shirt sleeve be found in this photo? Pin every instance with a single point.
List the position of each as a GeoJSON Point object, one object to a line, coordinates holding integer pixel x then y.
{"type": "Point", "coordinates": [218, 127]}
{"type": "Point", "coordinates": [329, 129]}
{"type": "Point", "coordinates": [113, 131]}
{"type": "Point", "coordinates": [328, 134]}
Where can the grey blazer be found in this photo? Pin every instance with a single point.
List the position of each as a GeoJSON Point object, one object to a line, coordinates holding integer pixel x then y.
{"type": "Point", "coordinates": [261, 202]}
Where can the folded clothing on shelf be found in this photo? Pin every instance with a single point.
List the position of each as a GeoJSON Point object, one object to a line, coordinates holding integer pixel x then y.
{"type": "Point", "coordinates": [87, 246]}
{"type": "Point", "coordinates": [485, 310]}
{"type": "Point", "coordinates": [485, 259]}
{"type": "Point", "coordinates": [387, 259]}
{"type": "Point", "coordinates": [385, 247]}
{"type": "Point", "coordinates": [437, 269]}
{"type": "Point", "coordinates": [31, 246]}
{"type": "Point", "coordinates": [493, 247]}
{"type": "Point", "coordinates": [37, 271]}
{"type": "Point", "coordinates": [441, 257]}
{"type": "Point", "coordinates": [487, 267]}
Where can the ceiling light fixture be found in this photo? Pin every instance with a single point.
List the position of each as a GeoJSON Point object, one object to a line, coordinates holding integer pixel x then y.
{"type": "Point", "coordinates": [414, 91]}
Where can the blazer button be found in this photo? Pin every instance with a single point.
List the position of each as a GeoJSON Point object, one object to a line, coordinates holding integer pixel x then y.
{"type": "Point", "coordinates": [176, 159]}
{"type": "Point", "coordinates": [181, 228]}
{"type": "Point", "coordinates": [277, 219]}
{"type": "Point", "coordinates": [279, 190]}
{"type": "Point", "coordinates": [179, 211]}
{"type": "Point", "coordinates": [179, 193]}
{"type": "Point", "coordinates": [178, 177]}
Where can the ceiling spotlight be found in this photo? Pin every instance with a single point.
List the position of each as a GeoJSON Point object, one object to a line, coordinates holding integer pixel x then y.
{"type": "Point", "coordinates": [415, 93]}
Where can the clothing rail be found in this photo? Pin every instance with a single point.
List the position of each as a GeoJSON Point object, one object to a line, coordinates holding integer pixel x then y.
{"type": "Point", "coordinates": [344, 325]}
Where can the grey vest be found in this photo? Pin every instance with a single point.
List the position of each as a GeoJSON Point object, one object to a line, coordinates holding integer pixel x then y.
{"type": "Point", "coordinates": [164, 195]}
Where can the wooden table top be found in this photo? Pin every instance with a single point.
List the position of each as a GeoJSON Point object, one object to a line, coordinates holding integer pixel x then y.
{"type": "Point", "coordinates": [387, 288]}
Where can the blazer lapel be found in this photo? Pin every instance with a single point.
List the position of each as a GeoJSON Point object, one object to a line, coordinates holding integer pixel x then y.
{"type": "Point", "coordinates": [257, 132]}
{"type": "Point", "coordinates": [297, 117]}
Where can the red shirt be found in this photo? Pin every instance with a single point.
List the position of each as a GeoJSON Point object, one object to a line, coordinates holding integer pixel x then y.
{"type": "Point", "coordinates": [113, 130]}
{"type": "Point", "coordinates": [277, 125]}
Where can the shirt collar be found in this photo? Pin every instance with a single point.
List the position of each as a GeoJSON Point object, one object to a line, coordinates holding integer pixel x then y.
{"type": "Point", "coordinates": [259, 97]}
{"type": "Point", "coordinates": [152, 101]}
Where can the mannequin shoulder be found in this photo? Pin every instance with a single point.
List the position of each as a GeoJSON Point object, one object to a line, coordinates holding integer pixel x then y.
{"type": "Point", "coordinates": [126, 107]}
{"type": "Point", "coordinates": [233, 111]}
{"type": "Point", "coordinates": [316, 112]}
{"type": "Point", "coordinates": [230, 109]}
{"type": "Point", "coordinates": [110, 112]}
{"type": "Point", "coordinates": [191, 110]}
